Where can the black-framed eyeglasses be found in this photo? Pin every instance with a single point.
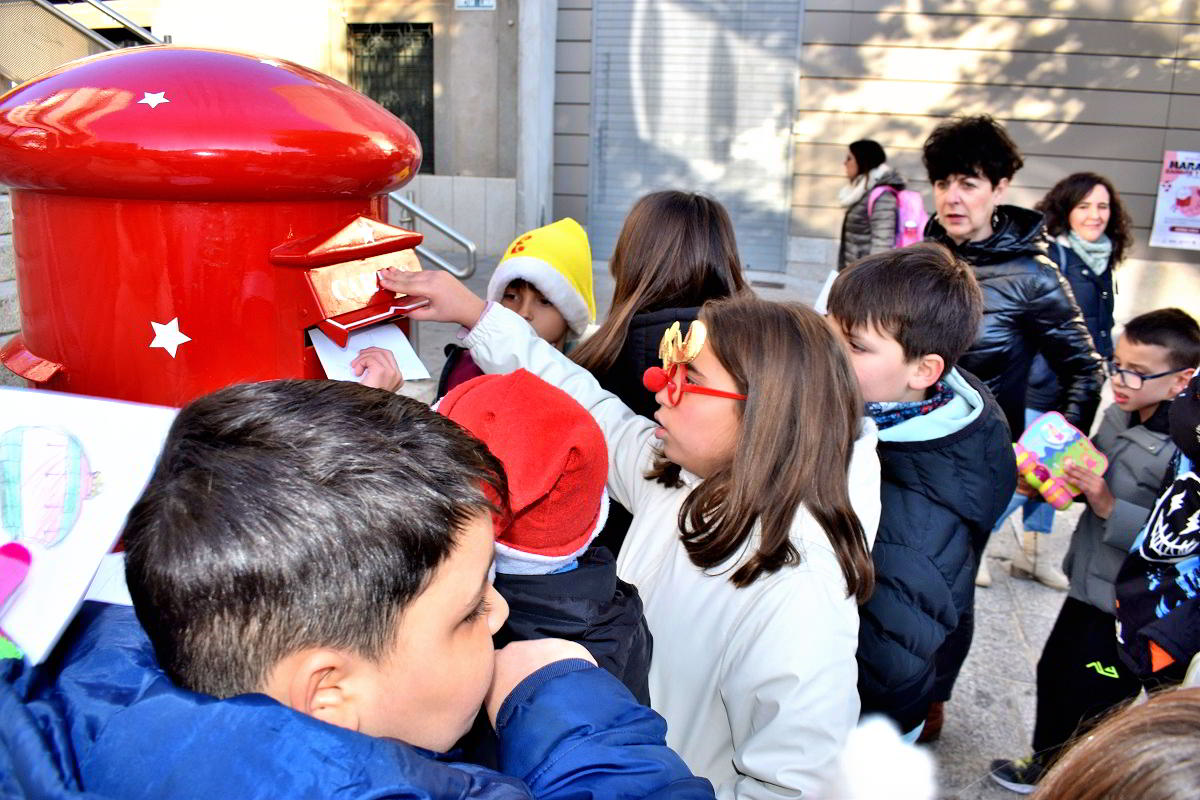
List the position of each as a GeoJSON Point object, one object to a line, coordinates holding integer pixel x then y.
{"type": "Point", "coordinates": [1134, 380]}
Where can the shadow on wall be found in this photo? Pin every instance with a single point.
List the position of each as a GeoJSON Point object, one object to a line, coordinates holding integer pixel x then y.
{"type": "Point", "coordinates": [1066, 89]}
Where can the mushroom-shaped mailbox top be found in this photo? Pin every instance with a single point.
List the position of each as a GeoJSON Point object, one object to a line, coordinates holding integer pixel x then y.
{"type": "Point", "coordinates": [182, 123]}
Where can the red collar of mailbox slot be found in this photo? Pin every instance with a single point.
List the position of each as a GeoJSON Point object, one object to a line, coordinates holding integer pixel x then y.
{"type": "Point", "coordinates": [180, 123]}
{"type": "Point", "coordinates": [342, 264]}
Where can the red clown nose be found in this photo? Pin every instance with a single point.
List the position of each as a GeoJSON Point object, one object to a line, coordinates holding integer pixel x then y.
{"type": "Point", "coordinates": [655, 379]}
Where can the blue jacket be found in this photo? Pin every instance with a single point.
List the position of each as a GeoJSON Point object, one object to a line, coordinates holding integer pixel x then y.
{"type": "Point", "coordinates": [941, 494]}
{"type": "Point", "coordinates": [100, 720]}
{"type": "Point", "coordinates": [1095, 296]}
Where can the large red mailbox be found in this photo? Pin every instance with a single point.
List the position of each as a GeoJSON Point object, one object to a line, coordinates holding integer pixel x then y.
{"type": "Point", "coordinates": [181, 217]}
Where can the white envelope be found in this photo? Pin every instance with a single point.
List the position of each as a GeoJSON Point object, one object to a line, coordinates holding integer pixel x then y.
{"type": "Point", "coordinates": [336, 360]}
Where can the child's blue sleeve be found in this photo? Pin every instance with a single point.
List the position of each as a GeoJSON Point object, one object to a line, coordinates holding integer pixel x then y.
{"type": "Point", "coordinates": [572, 730]}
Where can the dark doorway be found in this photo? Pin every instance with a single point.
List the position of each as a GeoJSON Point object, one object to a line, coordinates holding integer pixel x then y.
{"type": "Point", "coordinates": [392, 63]}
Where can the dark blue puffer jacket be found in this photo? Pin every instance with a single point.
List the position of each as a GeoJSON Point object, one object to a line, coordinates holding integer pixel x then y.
{"type": "Point", "coordinates": [940, 499]}
{"type": "Point", "coordinates": [589, 605]}
{"type": "Point", "coordinates": [100, 720]}
{"type": "Point", "coordinates": [1096, 297]}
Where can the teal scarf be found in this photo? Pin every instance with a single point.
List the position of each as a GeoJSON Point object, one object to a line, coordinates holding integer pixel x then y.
{"type": "Point", "coordinates": [1095, 254]}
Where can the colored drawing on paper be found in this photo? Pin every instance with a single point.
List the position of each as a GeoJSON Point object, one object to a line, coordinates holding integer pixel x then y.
{"type": "Point", "coordinates": [45, 478]}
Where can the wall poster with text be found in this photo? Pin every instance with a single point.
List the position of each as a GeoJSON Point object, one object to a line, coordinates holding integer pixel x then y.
{"type": "Point", "coordinates": [1177, 209]}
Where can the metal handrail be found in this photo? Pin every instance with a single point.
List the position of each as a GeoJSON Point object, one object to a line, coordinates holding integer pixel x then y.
{"type": "Point", "coordinates": [125, 22]}
{"type": "Point", "coordinates": [78, 26]}
{"type": "Point", "coordinates": [405, 201]}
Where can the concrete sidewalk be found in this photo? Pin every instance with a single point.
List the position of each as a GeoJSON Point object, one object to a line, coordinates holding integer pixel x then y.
{"type": "Point", "coordinates": [991, 713]}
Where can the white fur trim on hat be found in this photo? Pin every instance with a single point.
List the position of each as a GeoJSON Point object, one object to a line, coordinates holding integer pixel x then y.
{"type": "Point", "coordinates": [511, 561]}
{"type": "Point", "coordinates": [549, 281]}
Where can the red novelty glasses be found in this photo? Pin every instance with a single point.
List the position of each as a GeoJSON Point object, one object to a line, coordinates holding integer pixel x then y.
{"type": "Point", "coordinates": [676, 352]}
{"type": "Point", "coordinates": [674, 380]}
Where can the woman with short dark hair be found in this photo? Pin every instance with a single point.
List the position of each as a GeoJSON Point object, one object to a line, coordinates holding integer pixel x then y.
{"type": "Point", "coordinates": [1027, 303]}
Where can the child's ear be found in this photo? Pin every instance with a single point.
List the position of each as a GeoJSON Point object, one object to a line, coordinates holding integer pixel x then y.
{"type": "Point", "coordinates": [1179, 382]}
{"type": "Point", "coordinates": [318, 682]}
{"type": "Point", "coordinates": [929, 370]}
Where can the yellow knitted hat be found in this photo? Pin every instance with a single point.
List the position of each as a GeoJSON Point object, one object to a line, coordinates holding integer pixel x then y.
{"type": "Point", "coordinates": [557, 259]}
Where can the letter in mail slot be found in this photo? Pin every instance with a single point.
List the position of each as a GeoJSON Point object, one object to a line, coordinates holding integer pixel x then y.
{"type": "Point", "coordinates": [342, 263]}
{"type": "Point", "coordinates": [349, 297]}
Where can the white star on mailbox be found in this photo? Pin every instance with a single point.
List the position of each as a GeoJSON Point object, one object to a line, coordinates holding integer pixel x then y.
{"type": "Point", "coordinates": [153, 99]}
{"type": "Point", "coordinates": [168, 336]}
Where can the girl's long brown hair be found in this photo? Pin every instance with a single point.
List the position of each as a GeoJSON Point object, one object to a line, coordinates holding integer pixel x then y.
{"type": "Point", "coordinates": [675, 250]}
{"type": "Point", "coordinates": [799, 423]}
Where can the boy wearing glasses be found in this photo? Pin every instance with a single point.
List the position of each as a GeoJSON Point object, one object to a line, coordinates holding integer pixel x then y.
{"type": "Point", "coordinates": [1080, 674]}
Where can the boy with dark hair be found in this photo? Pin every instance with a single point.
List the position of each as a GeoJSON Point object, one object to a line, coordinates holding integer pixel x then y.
{"type": "Point", "coordinates": [1080, 673]}
{"type": "Point", "coordinates": [945, 458]}
{"type": "Point", "coordinates": [315, 557]}
{"type": "Point", "coordinates": [1158, 587]}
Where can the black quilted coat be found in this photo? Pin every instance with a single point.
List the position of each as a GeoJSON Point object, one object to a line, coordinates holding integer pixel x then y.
{"type": "Point", "coordinates": [589, 605]}
{"type": "Point", "coordinates": [624, 379]}
{"type": "Point", "coordinates": [938, 498]}
{"type": "Point", "coordinates": [1027, 308]}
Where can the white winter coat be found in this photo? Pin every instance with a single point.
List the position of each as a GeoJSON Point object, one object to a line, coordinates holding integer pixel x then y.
{"type": "Point", "coordinates": [758, 685]}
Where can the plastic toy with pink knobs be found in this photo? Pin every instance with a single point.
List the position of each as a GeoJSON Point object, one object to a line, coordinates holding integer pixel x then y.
{"type": "Point", "coordinates": [1045, 449]}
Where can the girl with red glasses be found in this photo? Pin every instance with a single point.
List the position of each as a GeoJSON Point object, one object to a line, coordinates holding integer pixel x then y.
{"type": "Point", "coordinates": [755, 495]}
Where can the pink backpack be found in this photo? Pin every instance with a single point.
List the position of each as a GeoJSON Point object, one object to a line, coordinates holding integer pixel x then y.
{"type": "Point", "coordinates": [910, 213]}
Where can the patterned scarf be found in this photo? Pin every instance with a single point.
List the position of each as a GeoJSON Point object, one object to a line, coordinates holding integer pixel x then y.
{"type": "Point", "coordinates": [888, 414]}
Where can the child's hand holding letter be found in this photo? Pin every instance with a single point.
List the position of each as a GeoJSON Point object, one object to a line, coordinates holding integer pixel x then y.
{"type": "Point", "coordinates": [449, 299]}
{"type": "Point", "coordinates": [380, 368]}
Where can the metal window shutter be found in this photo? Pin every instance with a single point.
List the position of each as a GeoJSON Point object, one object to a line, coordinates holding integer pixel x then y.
{"type": "Point", "coordinates": [696, 96]}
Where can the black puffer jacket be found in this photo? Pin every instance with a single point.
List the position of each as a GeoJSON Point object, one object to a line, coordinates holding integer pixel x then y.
{"type": "Point", "coordinates": [1027, 308]}
{"type": "Point", "coordinates": [589, 605]}
{"type": "Point", "coordinates": [937, 497]}
{"type": "Point", "coordinates": [1094, 294]}
{"type": "Point", "coordinates": [624, 379]}
{"type": "Point", "coordinates": [863, 233]}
